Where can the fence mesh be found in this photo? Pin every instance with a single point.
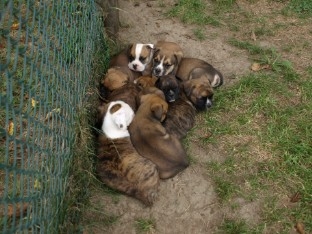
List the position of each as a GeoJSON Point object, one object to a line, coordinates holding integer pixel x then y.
{"type": "Point", "coordinates": [47, 50]}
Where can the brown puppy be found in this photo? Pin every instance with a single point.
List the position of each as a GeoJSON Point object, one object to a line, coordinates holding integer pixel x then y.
{"type": "Point", "coordinates": [120, 166]}
{"type": "Point", "coordinates": [166, 59]}
{"type": "Point", "coordinates": [181, 112]}
{"type": "Point", "coordinates": [199, 92]}
{"type": "Point", "coordinates": [151, 139]}
{"type": "Point", "coordinates": [170, 87]}
{"type": "Point", "coordinates": [145, 81]}
{"type": "Point", "coordinates": [192, 68]}
{"type": "Point", "coordinates": [116, 77]}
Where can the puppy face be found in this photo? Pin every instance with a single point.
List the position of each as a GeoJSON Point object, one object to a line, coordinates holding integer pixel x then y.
{"type": "Point", "coordinates": [199, 92]}
{"type": "Point", "coordinates": [140, 55]}
{"type": "Point", "coordinates": [166, 59]}
{"type": "Point", "coordinates": [115, 78]}
{"type": "Point", "coordinates": [170, 87]}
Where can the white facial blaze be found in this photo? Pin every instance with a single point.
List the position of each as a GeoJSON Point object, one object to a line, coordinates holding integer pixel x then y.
{"type": "Point", "coordinates": [160, 67]}
{"type": "Point", "coordinates": [136, 64]}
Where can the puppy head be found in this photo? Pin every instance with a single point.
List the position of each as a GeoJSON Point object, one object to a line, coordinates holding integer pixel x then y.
{"type": "Point", "coordinates": [139, 56]}
{"type": "Point", "coordinates": [145, 81]}
{"type": "Point", "coordinates": [166, 59]}
{"type": "Point", "coordinates": [116, 77]}
{"type": "Point", "coordinates": [118, 116]}
{"type": "Point", "coordinates": [170, 87]}
{"type": "Point", "coordinates": [215, 78]}
{"type": "Point", "coordinates": [116, 120]}
{"type": "Point", "coordinates": [199, 92]}
{"type": "Point", "coordinates": [157, 105]}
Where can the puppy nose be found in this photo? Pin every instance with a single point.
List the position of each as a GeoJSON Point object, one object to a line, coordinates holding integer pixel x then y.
{"type": "Point", "coordinates": [157, 70]}
{"type": "Point", "coordinates": [134, 66]}
{"type": "Point", "coordinates": [208, 103]}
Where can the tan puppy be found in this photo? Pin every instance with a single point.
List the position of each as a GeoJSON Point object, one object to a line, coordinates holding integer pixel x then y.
{"type": "Point", "coordinates": [151, 139]}
{"type": "Point", "coordinates": [116, 77]}
{"type": "Point", "coordinates": [166, 59]}
{"type": "Point", "coordinates": [199, 92]}
{"type": "Point", "coordinates": [192, 68]}
{"type": "Point", "coordinates": [120, 166]}
{"type": "Point", "coordinates": [145, 81]}
{"type": "Point", "coordinates": [181, 112]}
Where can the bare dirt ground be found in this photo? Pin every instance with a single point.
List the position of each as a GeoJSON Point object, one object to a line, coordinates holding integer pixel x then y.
{"type": "Point", "coordinates": [187, 203]}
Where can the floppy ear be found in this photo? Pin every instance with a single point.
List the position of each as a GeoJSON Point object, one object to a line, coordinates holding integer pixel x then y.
{"type": "Point", "coordinates": [129, 48]}
{"type": "Point", "coordinates": [178, 57]}
{"type": "Point", "coordinates": [158, 111]}
{"type": "Point", "coordinates": [156, 51]}
{"type": "Point", "coordinates": [114, 108]}
{"type": "Point", "coordinates": [188, 87]}
{"type": "Point", "coordinates": [150, 46]}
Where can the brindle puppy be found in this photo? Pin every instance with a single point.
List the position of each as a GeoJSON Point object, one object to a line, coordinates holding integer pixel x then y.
{"type": "Point", "coordinates": [151, 139]}
{"type": "Point", "coordinates": [119, 165]}
{"type": "Point", "coordinates": [181, 112]}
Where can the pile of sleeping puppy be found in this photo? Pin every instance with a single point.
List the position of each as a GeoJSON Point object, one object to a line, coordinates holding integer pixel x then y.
{"type": "Point", "coordinates": [150, 95]}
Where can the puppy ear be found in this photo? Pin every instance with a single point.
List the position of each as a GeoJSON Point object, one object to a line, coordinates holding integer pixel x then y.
{"type": "Point", "coordinates": [115, 108]}
{"type": "Point", "coordinates": [156, 52]}
{"type": "Point", "coordinates": [187, 87]}
{"type": "Point", "coordinates": [129, 48]}
{"type": "Point", "coordinates": [158, 111]}
{"type": "Point", "coordinates": [178, 57]}
{"type": "Point", "coordinates": [150, 46]}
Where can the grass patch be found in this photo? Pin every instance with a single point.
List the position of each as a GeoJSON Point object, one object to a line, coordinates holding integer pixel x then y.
{"type": "Point", "coordinates": [302, 8]}
{"type": "Point", "coordinates": [192, 12]}
{"type": "Point", "coordinates": [145, 225]}
{"type": "Point", "coordinates": [234, 227]}
{"type": "Point", "coordinates": [264, 106]}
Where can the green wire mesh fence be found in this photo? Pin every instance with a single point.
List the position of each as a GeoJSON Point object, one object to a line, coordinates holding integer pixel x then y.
{"type": "Point", "coordinates": [47, 50]}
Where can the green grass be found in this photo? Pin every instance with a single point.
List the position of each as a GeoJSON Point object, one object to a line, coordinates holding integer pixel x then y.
{"type": "Point", "coordinates": [302, 8]}
{"type": "Point", "coordinates": [192, 12]}
{"type": "Point", "coordinates": [274, 108]}
{"type": "Point", "coordinates": [145, 225]}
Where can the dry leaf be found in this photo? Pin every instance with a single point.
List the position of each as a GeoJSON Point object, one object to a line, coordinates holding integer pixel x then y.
{"type": "Point", "coordinates": [256, 67]}
{"type": "Point", "coordinates": [296, 197]}
{"type": "Point", "coordinates": [253, 35]}
{"type": "Point", "coordinates": [11, 128]}
{"type": "Point", "coordinates": [49, 115]}
{"type": "Point", "coordinates": [15, 26]}
{"type": "Point", "coordinates": [37, 184]}
{"type": "Point", "coordinates": [299, 228]}
{"type": "Point", "coordinates": [33, 102]}
{"type": "Point", "coordinates": [18, 212]}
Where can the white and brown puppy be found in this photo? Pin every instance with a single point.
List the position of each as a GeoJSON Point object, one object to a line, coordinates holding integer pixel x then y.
{"type": "Point", "coordinates": [181, 112]}
{"type": "Point", "coordinates": [140, 58]}
{"type": "Point", "coordinates": [192, 68]}
{"type": "Point", "coordinates": [166, 59]}
{"type": "Point", "coordinates": [120, 166]}
{"type": "Point", "coordinates": [152, 140]}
